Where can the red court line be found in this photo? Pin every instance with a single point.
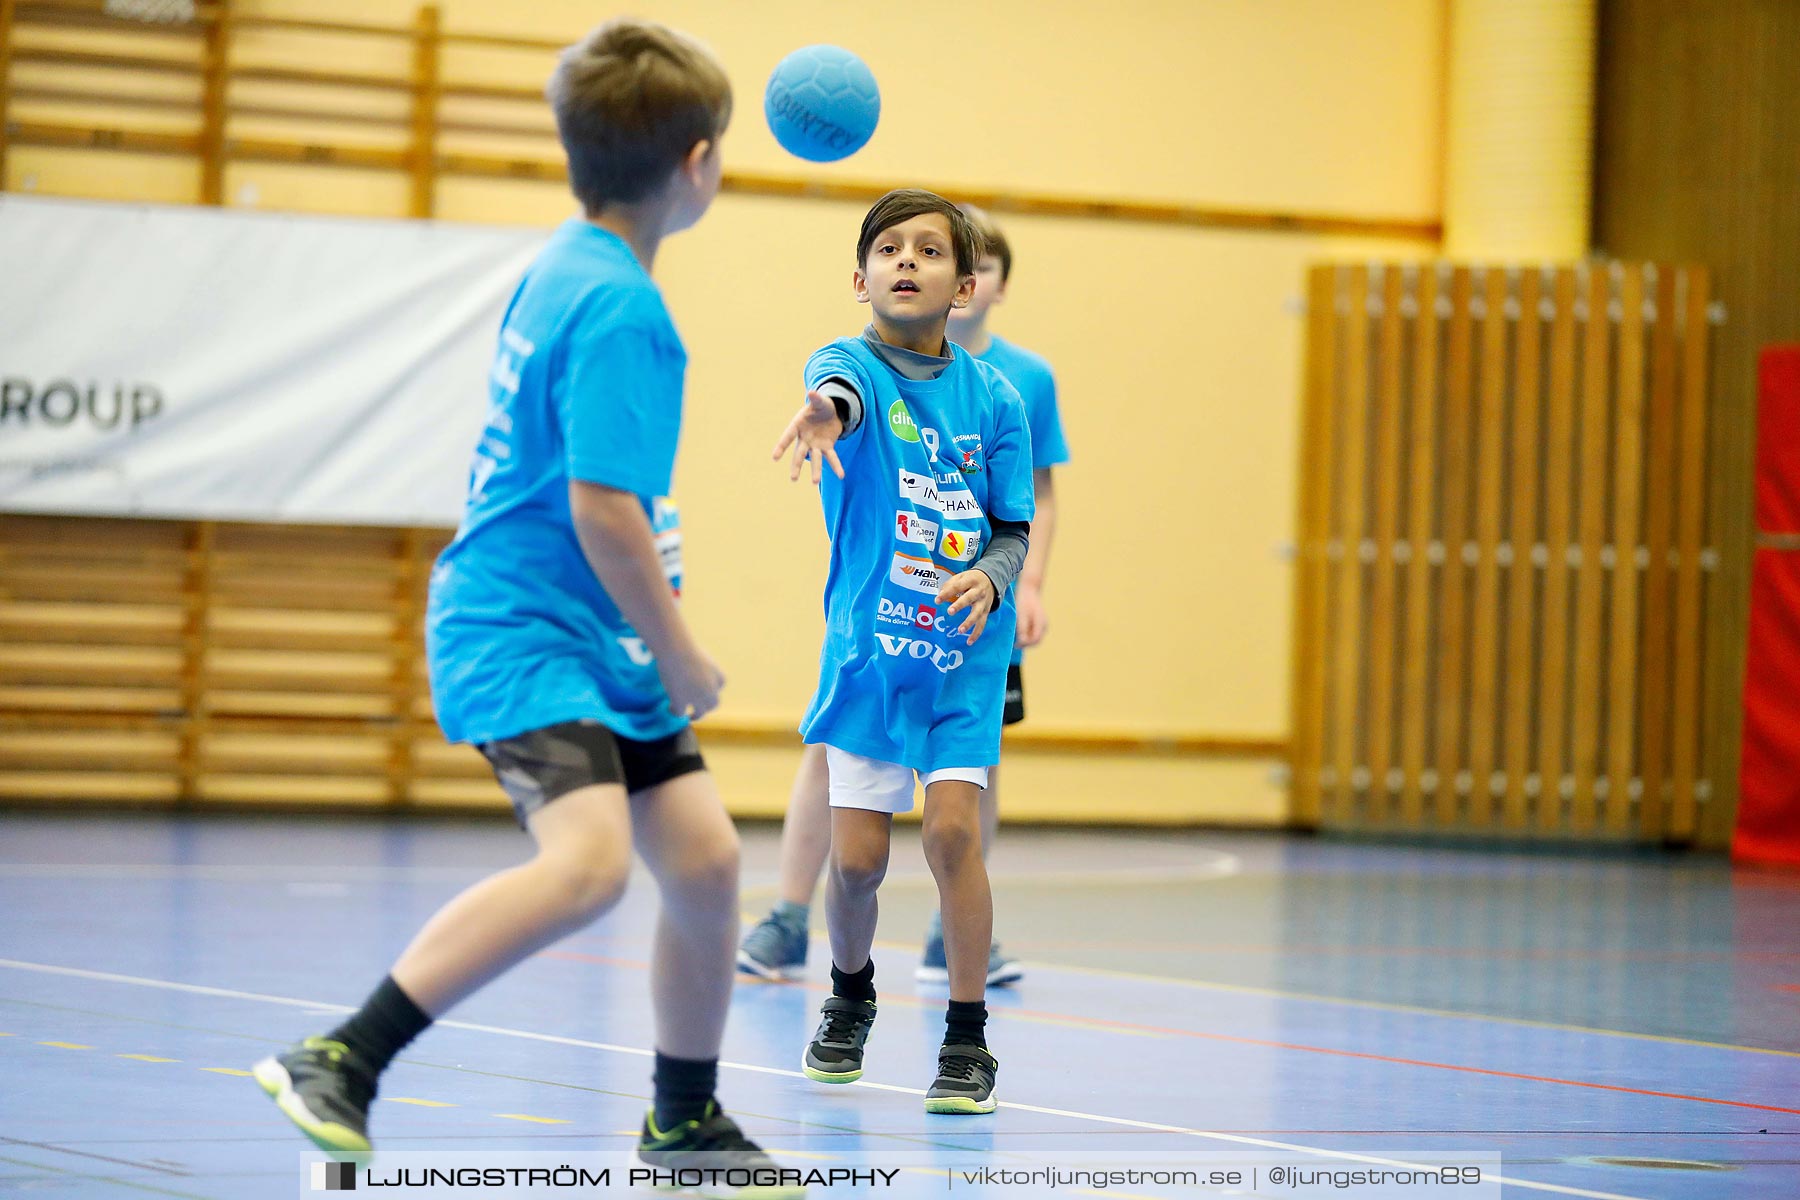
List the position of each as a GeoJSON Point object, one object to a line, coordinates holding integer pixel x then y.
{"type": "Point", "coordinates": [1409, 1062]}
{"type": "Point", "coordinates": [1105, 1023]}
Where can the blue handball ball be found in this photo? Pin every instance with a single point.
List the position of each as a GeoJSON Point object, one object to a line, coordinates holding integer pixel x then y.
{"type": "Point", "coordinates": [822, 103]}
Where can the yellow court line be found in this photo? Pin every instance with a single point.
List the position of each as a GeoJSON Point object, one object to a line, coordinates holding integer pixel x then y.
{"type": "Point", "coordinates": [66, 1045]}
{"type": "Point", "coordinates": [533, 1120]}
{"type": "Point", "coordinates": [149, 1058]}
{"type": "Point", "coordinates": [225, 1070]}
{"type": "Point", "coordinates": [8, 1035]}
{"type": "Point", "coordinates": [420, 1103]}
{"type": "Point", "coordinates": [1243, 989]}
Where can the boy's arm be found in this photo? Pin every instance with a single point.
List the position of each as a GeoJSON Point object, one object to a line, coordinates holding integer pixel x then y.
{"type": "Point", "coordinates": [1034, 623]}
{"type": "Point", "coordinates": [615, 537]}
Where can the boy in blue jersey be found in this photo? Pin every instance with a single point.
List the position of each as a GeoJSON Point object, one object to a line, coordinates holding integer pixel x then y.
{"type": "Point", "coordinates": [776, 947]}
{"type": "Point", "coordinates": [555, 643]}
{"type": "Point", "coordinates": [928, 508]}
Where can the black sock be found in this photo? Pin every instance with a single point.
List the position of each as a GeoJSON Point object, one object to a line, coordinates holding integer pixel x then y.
{"type": "Point", "coordinates": [382, 1027]}
{"type": "Point", "coordinates": [857, 986]}
{"type": "Point", "coordinates": [965, 1024]}
{"type": "Point", "coordinates": [684, 1088]}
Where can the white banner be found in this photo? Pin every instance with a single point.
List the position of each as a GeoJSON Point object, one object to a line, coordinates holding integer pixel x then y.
{"type": "Point", "coordinates": [187, 362]}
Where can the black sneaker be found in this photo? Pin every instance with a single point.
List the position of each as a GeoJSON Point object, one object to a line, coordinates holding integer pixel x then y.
{"type": "Point", "coordinates": [965, 1081]}
{"type": "Point", "coordinates": [705, 1150]}
{"type": "Point", "coordinates": [325, 1089]}
{"type": "Point", "coordinates": [835, 1055]}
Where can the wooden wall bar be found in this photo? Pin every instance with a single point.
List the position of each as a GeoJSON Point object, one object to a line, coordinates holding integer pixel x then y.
{"type": "Point", "coordinates": [422, 143]}
{"type": "Point", "coordinates": [201, 663]}
{"type": "Point", "coordinates": [1499, 462]}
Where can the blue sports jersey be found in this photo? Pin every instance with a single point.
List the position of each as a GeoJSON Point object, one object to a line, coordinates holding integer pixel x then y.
{"type": "Point", "coordinates": [1031, 376]}
{"type": "Point", "coordinates": [586, 384]}
{"type": "Point", "coordinates": [930, 463]}
{"type": "Point", "coordinates": [1036, 383]}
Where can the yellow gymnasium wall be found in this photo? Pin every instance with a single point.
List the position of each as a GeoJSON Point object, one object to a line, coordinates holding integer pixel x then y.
{"type": "Point", "coordinates": [1178, 350]}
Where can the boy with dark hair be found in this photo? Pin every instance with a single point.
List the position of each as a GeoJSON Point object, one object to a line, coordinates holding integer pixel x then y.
{"type": "Point", "coordinates": [554, 639]}
{"type": "Point", "coordinates": [928, 509]}
{"type": "Point", "coordinates": [776, 947]}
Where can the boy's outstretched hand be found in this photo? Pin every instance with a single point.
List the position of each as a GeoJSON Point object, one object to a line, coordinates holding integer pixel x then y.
{"type": "Point", "coordinates": [974, 591]}
{"type": "Point", "coordinates": [813, 433]}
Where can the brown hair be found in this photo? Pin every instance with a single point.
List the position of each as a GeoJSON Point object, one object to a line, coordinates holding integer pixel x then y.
{"type": "Point", "coordinates": [992, 240]}
{"type": "Point", "coordinates": [631, 100]}
{"type": "Point", "coordinates": [904, 204]}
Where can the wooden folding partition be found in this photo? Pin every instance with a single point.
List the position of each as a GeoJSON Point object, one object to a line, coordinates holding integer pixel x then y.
{"type": "Point", "coordinates": [1501, 571]}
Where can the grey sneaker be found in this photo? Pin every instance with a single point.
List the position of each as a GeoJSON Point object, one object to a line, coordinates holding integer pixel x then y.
{"type": "Point", "coordinates": [965, 1081]}
{"type": "Point", "coordinates": [835, 1054]}
{"type": "Point", "coordinates": [325, 1089]}
{"type": "Point", "coordinates": [775, 949]}
{"type": "Point", "coordinates": [934, 966]}
{"type": "Point", "coordinates": [727, 1163]}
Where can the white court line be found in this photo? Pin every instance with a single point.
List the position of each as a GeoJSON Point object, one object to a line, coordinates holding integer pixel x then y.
{"type": "Point", "coordinates": [1218, 865]}
{"type": "Point", "coordinates": [1122, 1122]}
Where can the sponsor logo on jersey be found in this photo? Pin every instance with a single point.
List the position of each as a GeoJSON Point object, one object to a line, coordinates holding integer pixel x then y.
{"type": "Point", "coordinates": [959, 544]}
{"type": "Point", "coordinates": [900, 422]}
{"type": "Point", "coordinates": [918, 574]}
{"type": "Point", "coordinates": [637, 651]}
{"type": "Point", "coordinates": [941, 657]}
{"type": "Point", "coordinates": [923, 491]}
{"type": "Point", "coordinates": [910, 527]}
{"type": "Point", "coordinates": [913, 616]}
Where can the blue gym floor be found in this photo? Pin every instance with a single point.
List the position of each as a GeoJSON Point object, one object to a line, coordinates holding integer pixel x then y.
{"type": "Point", "coordinates": [1185, 992]}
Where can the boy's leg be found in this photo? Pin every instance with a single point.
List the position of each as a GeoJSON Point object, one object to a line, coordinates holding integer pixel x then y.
{"type": "Point", "coordinates": [865, 795]}
{"type": "Point", "coordinates": [859, 859]}
{"type": "Point", "coordinates": [806, 829]}
{"type": "Point", "coordinates": [952, 837]}
{"type": "Point", "coordinates": [691, 848]}
{"type": "Point", "coordinates": [775, 948]}
{"type": "Point", "coordinates": [564, 782]}
{"type": "Point", "coordinates": [1001, 970]}
{"type": "Point", "coordinates": [579, 872]}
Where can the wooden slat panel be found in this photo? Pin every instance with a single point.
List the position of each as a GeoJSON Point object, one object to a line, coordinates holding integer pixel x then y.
{"type": "Point", "coordinates": [215, 65]}
{"type": "Point", "coordinates": [82, 582]}
{"type": "Point", "coordinates": [89, 624]}
{"type": "Point", "coordinates": [1415, 700]}
{"type": "Point", "coordinates": [7, 14]}
{"type": "Point", "coordinates": [87, 700]}
{"type": "Point", "coordinates": [1522, 590]}
{"type": "Point", "coordinates": [1451, 648]}
{"type": "Point", "coordinates": [251, 789]}
{"type": "Point", "coordinates": [1659, 540]}
{"type": "Point", "coordinates": [1590, 580]}
{"type": "Point", "coordinates": [1311, 567]}
{"type": "Point", "coordinates": [1348, 520]}
{"type": "Point", "coordinates": [196, 652]}
{"type": "Point", "coordinates": [1628, 453]}
{"type": "Point", "coordinates": [1690, 524]}
{"type": "Point", "coordinates": [1559, 473]}
{"type": "Point", "coordinates": [1490, 452]}
{"type": "Point", "coordinates": [1384, 531]}
{"type": "Point", "coordinates": [106, 665]}
{"type": "Point", "coordinates": [117, 750]}
{"type": "Point", "coordinates": [427, 96]}
{"type": "Point", "coordinates": [90, 787]}
{"type": "Point", "coordinates": [298, 704]}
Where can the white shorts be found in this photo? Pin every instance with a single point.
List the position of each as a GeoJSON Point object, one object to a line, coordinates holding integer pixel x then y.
{"type": "Point", "coordinates": [884, 787]}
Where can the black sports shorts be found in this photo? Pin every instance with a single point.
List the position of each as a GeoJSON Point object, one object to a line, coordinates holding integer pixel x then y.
{"type": "Point", "coordinates": [536, 767]}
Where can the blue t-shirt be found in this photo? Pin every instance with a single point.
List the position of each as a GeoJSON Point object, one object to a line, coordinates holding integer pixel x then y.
{"type": "Point", "coordinates": [931, 462]}
{"type": "Point", "coordinates": [1036, 383]}
{"type": "Point", "coordinates": [586, 384]}
{"type": "Point", "coordinates": [1030, 374]}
